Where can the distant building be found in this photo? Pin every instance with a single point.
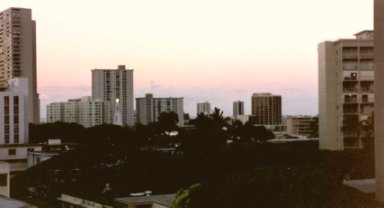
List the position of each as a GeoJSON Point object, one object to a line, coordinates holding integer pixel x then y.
{"type": "Point", "coordinates": [55, 112]}
{"type": "Point", "coordinates": [266, 109]}
{"type": "Point", "coordinates": [91, 112]}
{"type": "Point", "coordinates": [83, 111]}
{"type": "Point", "coordinates": [204, 108]}
{"type": "Point", "coordinates": [149, 108]}
{"type": "Point", "coordinates": [238, 108]}
{"type": "Point", "coordinates": [18, 54]}
{"type": "Point", "coordinates": [301, 125]}
{"type": "Point", "coordinates": [346, 97]}
{"type": "Point", "coordinates": [52, 148]}
{"type": "Point", "coordinates": [71, 111]}
{"type": "Point", "coordinates": [115, 86]}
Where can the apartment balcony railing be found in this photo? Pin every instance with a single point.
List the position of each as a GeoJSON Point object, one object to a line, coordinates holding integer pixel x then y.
{"type": "Point", "coordinates": [366, 89]}
{"type": "Point", "coordinates": [350, 89]}
{"type": "Point", "coordinates": [366, 55]}
{"type": "Point", "coordinates": [369, 100]}
{"type": "Point", "coordinates": [350, 67]}
{"type": "Point", "coordinates": [366, 78]}
{"type": "Point", "coordinates": [350, 101]}
{"type": "Point", "coordinates": [349, 55]}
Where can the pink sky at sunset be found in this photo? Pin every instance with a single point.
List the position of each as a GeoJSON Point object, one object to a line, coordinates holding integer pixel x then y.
{"type": "Point", "coordinates": [216, 51]}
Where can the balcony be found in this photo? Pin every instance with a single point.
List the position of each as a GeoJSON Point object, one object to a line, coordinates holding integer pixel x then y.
{"type": "Point", "coordinates": [350, 55]}
{"type": "Point", "coordinates": [366, 55]}
{"type": "Point", "coordinates": [349, 66]}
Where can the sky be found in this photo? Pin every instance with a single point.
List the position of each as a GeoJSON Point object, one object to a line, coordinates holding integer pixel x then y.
{"type": "Point", "coordinates": [218, 51]}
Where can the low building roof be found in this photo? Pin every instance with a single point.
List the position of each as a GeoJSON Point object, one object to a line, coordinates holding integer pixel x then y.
{"type": "Point", "coordinates": [13, 203]}
{"type": "Point", "coordinates": [165, 199]}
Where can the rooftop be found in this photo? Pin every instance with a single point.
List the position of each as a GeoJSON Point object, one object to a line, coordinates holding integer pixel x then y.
{"type": "Point", "coordinates": [165, 199]}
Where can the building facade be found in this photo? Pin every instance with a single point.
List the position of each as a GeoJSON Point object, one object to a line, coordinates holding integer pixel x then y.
{"type": "Point", "coordinates": [18, 53]}
{"type": "Point", "coordinates": [379, 98]}
{"type": "Point", "coordinates": [301, 125]}
{"type": "Point", "coordinates": [346, 90]}
{"type": "Point", "coordinates": [14, 131]}
{"type": "Point", "coordinates": [55, 112]}
{"type": "Point", "coordinates": [84, 111]}
{"type": "Point", "coordinates": [266, 109]}
{"type": "Point", "coordinates": [149, 108]}
{"type": "Point", "coordinates": [115, 86]}
{"type": "Point", "coordinates": [203, 108]}
{"type": "Point", "coordinates": [238, 108]}
{"type": "Point", "coordinates": [14, 112]}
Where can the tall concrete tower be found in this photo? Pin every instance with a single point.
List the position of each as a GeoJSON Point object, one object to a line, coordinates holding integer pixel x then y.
{"type": "Point", "coordinates": [379, 97]}
{"type": "Point", "coordinates": [346, 90]}
{"type": "Point", "coordinates": [18, 53]}
{"type": "Point", "coordinates": [111, 85]}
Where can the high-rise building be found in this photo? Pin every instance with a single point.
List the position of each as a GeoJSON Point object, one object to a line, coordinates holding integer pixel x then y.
{"type": "Point", "coordinates": [13, 112]}
{"type": "Point", "coordinates": [379, 97]}
{"type": "Point", "coordinates": [148, 108]}
{"type": "Point", "coordinates": [346, 73]}
{"type": "Point", "coordinates": [84, 111]}
{"type": "Point", "coordinates": [266, 109]}
{"type": "Point", "coordinates": [204, 108]}
{"type": "Point", "coordinates": [91, 112]}
{"type": "Point", "coordinates": [115, 86]}
{"type": "Point", "coordinates": [14, 134]}
{"type": "Point", "coordinates": [18, 53]}
{"type": "Point", "coordinates": [238, 108]}
{"type": "Point", "coordinates": [55, 112]}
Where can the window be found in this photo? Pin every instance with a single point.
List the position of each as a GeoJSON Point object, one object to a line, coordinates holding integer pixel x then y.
{"type": "Point", "coordinates": [3, 179]}
{"type": "Point", "coordinates": [11, 151]}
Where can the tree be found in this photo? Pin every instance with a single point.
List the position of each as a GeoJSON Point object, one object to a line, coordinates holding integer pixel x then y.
{"type": "Point", "coordinates": [167, 121]}
{"type": "Point", "coordinates": [218, 118]}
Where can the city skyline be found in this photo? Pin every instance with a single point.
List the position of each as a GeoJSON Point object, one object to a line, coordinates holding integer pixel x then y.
{"type": "Point", "coordinates": [217, 51]}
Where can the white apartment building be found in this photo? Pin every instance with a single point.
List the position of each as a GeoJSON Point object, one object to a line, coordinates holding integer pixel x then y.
{"type": "Point", "coordinates": [238, 108]}
{"type": "Point", "coordinates": [204, 108]}
{"type": "Point", "coordinates": [55, 112]}
{"type": "Point", "coordinates": [110, 85]}
{"type": "Point", "coordinates": [149, 108]}
{"type": "Point", "coordinates": [266, 109]}
{"type": "Point", "coordinates": [346, 90]}
{"type": "Point", "coordinates": [18, 53]}
{"type": "Point", "coordinates": [14, 112]}
{"type": "Point", "coordinates": [300, 125]}
{"type": "Point", "coordinates": [71, 111]}
{"type": "Point", "coordinates": [91, 112]}
{"type": "Point", "coordinates": [84, 111]}
{"type": "Point", "coordinates": [14, 125]}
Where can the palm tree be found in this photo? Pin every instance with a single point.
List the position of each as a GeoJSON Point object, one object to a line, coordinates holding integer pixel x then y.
{"type": "Point", "coordinates": [218, 118]}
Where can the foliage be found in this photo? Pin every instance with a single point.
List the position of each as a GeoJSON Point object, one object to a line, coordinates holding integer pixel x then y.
{"type": "Point", "coordinates": [183, 196]}
{"type": "Point", "coordinates": [270, 186]}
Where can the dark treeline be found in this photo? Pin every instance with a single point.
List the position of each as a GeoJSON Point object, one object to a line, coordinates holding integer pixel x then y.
{"type": "Point", "coordinates": [158, 133]}
{"type": "Point", "coordinates": [216, 163]}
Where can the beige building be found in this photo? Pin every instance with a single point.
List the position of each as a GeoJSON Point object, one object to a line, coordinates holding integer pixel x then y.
{"type": "Point", "coordinates": [148, 108]}
{"type": "Point", "coordinates": [18, 53]}
{"type": "Point", "coordinates": [266, 109]}
{"type": "Point", "coordinates": [379, 98]}
{"type": "Point", "coordinates": [346, 74]}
